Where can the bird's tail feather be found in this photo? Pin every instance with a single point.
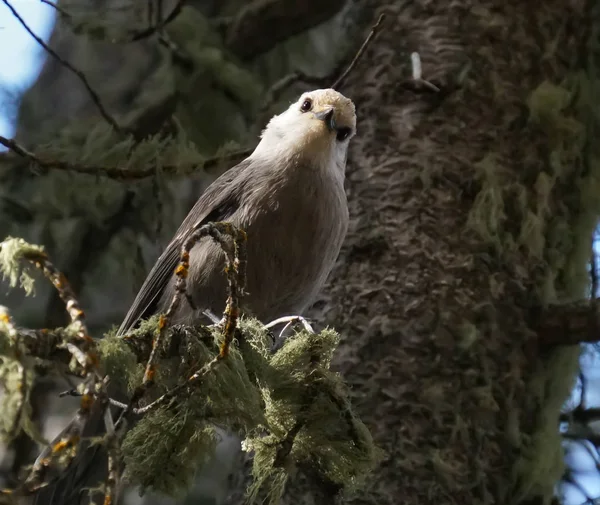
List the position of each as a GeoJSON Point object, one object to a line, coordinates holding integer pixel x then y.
{"type": "Point", "coordinates": [85, 472]}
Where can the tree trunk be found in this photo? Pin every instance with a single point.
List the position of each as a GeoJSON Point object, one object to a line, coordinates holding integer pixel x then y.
{"type": "Point", "coordinates": [471, 209]}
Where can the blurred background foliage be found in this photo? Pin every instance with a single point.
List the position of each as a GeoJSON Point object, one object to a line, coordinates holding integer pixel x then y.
{"type": "Point", "coordinates": [192, 90]}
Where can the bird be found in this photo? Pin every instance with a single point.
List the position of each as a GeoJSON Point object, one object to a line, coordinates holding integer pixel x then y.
{"type": "Point", "coordinates": [289, 198]}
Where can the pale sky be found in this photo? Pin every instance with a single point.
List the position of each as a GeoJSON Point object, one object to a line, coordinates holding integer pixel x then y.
{"type": "Point", "coordinates": [20, 56]}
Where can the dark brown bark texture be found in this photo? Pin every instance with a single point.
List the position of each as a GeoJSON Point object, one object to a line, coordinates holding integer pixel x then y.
{"type": "Point", "coordinates": [470, 210]}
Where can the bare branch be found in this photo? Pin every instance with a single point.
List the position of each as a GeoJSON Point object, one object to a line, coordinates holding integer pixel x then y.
{"type": "Point", "coordinates": [58, 8]}
{"type": "Point", "coordinates": [581, 415]}
{"type": "Point", "coordinates": [112, 445]}
{"type": "Point", "coordinates": [285, 82]}
{"type": "Point", "coordinates": [160, 24]}
{"type": "Point", "coordinates": [568, 324]}
{"type": "Point", "coordinates": [372, 34]}
{"type": "Point", "coordinates": [80, 75]}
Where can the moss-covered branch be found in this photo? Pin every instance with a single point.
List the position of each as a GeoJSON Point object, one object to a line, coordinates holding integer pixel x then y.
{"type": "Point", "coordinates": [130, 170]}
{"type": "Point", "coordinates": [570, 324]}
{"type": "Point", "coordinates": [292, 410]}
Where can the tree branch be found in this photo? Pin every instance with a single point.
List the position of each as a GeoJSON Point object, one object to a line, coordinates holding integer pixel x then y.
{"type": "Point", "coordinates": [342, 71]}
{"type": "Point", "coordinates": [80, 75]}
{"type": "Point", "coordinates": [159, 25]}
{"type": "Point", "coordinates": [582, 416]}
{"type": "Point", "coordinates": [262, 24]}
{"type": "Point", "coordinates": [570, 324]}
{"type": "Point", "coordinates": [117, 173]}
{"type": "Point", "coordinates": [374, 30]}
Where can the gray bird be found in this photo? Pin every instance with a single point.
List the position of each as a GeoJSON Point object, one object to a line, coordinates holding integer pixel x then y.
{"type": "Point", "coordinates": [288, 196]}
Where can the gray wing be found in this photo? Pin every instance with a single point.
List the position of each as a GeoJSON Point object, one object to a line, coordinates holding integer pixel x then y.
{"type": "Point", "coordinates": [217, 203]}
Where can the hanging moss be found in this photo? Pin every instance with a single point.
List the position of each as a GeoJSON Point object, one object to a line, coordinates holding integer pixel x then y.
{"type": "Point", "coordinates": [291, 408]}
{"type": "Point", "coordinates": [515, 217]}
{"type": "Point", "coordinates": [309, 420]}
{"type": "Point", "coordinates": [12, 265]}
{"type": "Point", "coordinates": [260, 395]}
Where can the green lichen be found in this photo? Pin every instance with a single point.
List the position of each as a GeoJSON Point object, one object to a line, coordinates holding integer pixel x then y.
{"type": "Point", "coordinates": [119, 362]}
{"type": "Point", "coordinates": [308, 405]}
{"type": "Point", "coordinates": [16, 381]}
{"type": "Point", "coordinates": [165, 449]}
{"type": "Point", "coordinates": [290, 407]}
{"type": "Point", "coordinates": [515, 216]}
{"type": "Point", "coordinates": [12, 265]}
{"type": "Point", "coordinates": [541, 462]}
{"type": "Point", "coordinates": [260, 395]}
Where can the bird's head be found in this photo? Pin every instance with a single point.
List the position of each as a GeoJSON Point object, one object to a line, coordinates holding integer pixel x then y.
{"type": "Point", "coordinates": [318, 126]}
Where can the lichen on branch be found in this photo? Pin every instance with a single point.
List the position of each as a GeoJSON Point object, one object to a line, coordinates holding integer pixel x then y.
{"type": "Point", "coordinates": [290, 408]}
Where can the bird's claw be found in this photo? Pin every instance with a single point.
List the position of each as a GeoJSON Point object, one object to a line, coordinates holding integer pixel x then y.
{"type": "Point", "coordinates": [290, 320]}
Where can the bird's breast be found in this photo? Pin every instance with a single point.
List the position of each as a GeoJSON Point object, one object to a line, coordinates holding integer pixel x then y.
{"type": "Point", "coordinates": [294, 237]}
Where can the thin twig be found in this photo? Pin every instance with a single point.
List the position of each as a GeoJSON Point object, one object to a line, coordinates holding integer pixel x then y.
{"type": "Point", "coordinates": [583, 399]}
{"type": "Point", "coordinates": [236, 283]}
{"type": "Point", "coordinates": [159, 25]}
{"type": "Point", "coordinates": [74, 392]}
{"type": "Point", "coordinates": [593, 314]}
{"type": "Point", "coordinates": [112, 449]}
{"type": "Point", "coordinates": [120, 174]}
{"type": "Point", "coordinates": [274, 92]}
{"type": "Point", "coordinates": [192, 380]}
{"type": "Point", "coordinates": [235, 268]}
{"type": "Point", "coordinates": [63, 450]}
{"type": "Point", "coordinates": [94, 391]}
{"type": "Point", "coordinates": [285, 82]}
{"type": "Point", "coordinates": [67, 65]}
{"type": "Point", "coordinates": [374, 30]}
{"type": "Point", "coordinates": [9, 327]}
{"type": "Point", "coordinates": [58, 8]}
{"type": "Point", "coordinates": [59, 281]}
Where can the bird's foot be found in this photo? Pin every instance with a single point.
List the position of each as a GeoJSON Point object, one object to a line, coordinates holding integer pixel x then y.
{"type": "Point", "coordinates": [289, 322]}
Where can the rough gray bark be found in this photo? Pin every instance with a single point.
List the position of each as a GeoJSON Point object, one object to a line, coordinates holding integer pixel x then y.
{"type": "Point", "coordinates": [470, 211]}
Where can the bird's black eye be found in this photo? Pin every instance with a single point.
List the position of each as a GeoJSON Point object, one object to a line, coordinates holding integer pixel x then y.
{"type": "Point", "coordinates": [306, 105]}
{"type": "Point", "coordinates": [343, 133]}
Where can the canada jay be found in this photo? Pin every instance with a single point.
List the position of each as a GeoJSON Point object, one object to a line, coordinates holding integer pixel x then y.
{"type": "Point", "coordinates": [288, 196]}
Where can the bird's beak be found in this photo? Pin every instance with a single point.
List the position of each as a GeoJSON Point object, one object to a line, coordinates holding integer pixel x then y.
{"type": "Point", "coordinates": [326, 116]}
